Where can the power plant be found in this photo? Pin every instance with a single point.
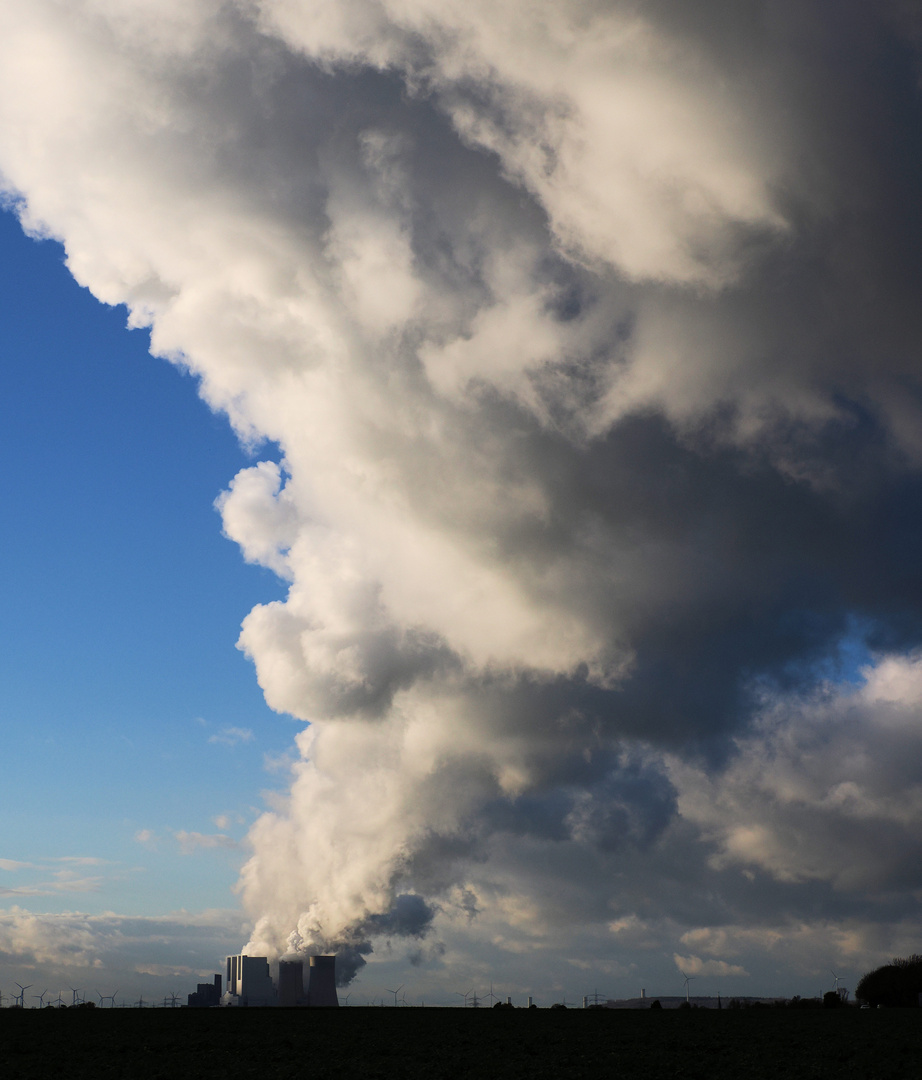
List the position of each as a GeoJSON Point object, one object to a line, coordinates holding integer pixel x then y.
{"type": "Point", "coordinates": [291, 983]}
{"type": "Point", "coordinates": [206, 996]}
{"type": "Point", "coordinates": [249, 983]}
{"type": "Point", "coordinates": [321, 986]}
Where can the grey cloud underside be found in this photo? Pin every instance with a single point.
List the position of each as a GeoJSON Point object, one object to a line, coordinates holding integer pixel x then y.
{"type": "Point", "coordinates": [591, 346]}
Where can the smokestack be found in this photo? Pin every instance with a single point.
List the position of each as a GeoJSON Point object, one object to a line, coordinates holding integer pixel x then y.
{"type": "Point", "coordinates": [321, 987]}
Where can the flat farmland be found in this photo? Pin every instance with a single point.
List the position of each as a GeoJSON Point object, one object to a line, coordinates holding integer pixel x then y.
{"type": "Point", "coordinates": [459, 1044]}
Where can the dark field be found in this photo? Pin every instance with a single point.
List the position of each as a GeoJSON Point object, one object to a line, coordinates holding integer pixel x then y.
{"type": "Point", "coordinates": [392, 1044]}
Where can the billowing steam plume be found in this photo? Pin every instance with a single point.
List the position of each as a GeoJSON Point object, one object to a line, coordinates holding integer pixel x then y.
{"type": "Point", "coordinates": [589, 336]}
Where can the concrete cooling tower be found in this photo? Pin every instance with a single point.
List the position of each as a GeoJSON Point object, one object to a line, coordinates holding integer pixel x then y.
{"type": "Point", "coordinates": [321, 987]}
{"type": "Point", "coordinates": [291, 983]}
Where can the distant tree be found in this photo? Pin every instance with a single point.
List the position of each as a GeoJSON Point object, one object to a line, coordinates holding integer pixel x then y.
{"type": "Point", "coordinates": [896, 985]}
{"type": "Point", "coordinates": [655, 1004]}
{"type": "Point", "coordinates": [798, 1002]}
{"type": "Point", "coordinates": [832, 1000]}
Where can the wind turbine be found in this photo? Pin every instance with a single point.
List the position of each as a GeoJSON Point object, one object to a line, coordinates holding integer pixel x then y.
{"type": "Point", "coordinates": [75, 993]}
{"type": "Point", "coordinates": [465, 995]}
{"type": "Point", "coordinates": [22, 992]}
{"type": "Point", "coordinates": [836, 977]}
{"type": "Point", "coordinates": [41, 998]}
{"type": "Point", "coordinates": [395, 993]}
{"type": "Point", "coordinates": [688, 979]}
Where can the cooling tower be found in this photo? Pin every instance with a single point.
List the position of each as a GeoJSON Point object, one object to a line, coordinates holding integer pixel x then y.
{"type": "Point", "coordinates": [291, 983]}
{"type": "Point", "coordinates": [321, 987]}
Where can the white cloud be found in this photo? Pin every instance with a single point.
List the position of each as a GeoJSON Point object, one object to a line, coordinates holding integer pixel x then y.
{"type": "Point", "coordinates": [625, 133]}
{"type": "Point", "coordinates": [61, 874]}
{"type": "Point", "coordinates": [191, 842]}
{"type": "Point", "coordinates": [260, 515]}
{"type": "Point", "coordinates": [692, 966]}
{"type": "Point", "coordinates": [827, 787]}
{"type": "Point", "coordinates": [12, 865]}
{"type": "Point", "coordinates": [100, 951]}
{"type": "Point", "coordinates": [561, 319]}
{"type": "Point", "coordinates": [231, 736]}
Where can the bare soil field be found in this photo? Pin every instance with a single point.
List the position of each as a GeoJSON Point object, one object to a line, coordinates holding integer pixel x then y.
{"type": "Point", "coordinates": [459, 1044]}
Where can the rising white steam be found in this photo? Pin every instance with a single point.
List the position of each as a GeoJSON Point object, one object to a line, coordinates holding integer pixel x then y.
{"type": "Point", "coordinates": [558, 314]}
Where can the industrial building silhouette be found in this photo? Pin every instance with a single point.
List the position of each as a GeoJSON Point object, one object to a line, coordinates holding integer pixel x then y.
{"type": "Point", "coordinates": [207, 995]}
{"type": "Point", "coordinates": [249, 983]}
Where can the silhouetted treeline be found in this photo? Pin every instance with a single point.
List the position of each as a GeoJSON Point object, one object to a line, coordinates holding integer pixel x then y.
{"type": "Point", "coordinates": [896, 985]}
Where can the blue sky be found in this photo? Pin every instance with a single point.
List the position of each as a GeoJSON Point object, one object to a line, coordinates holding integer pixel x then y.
{"type": "Point", "coordinates": [122, 603]}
